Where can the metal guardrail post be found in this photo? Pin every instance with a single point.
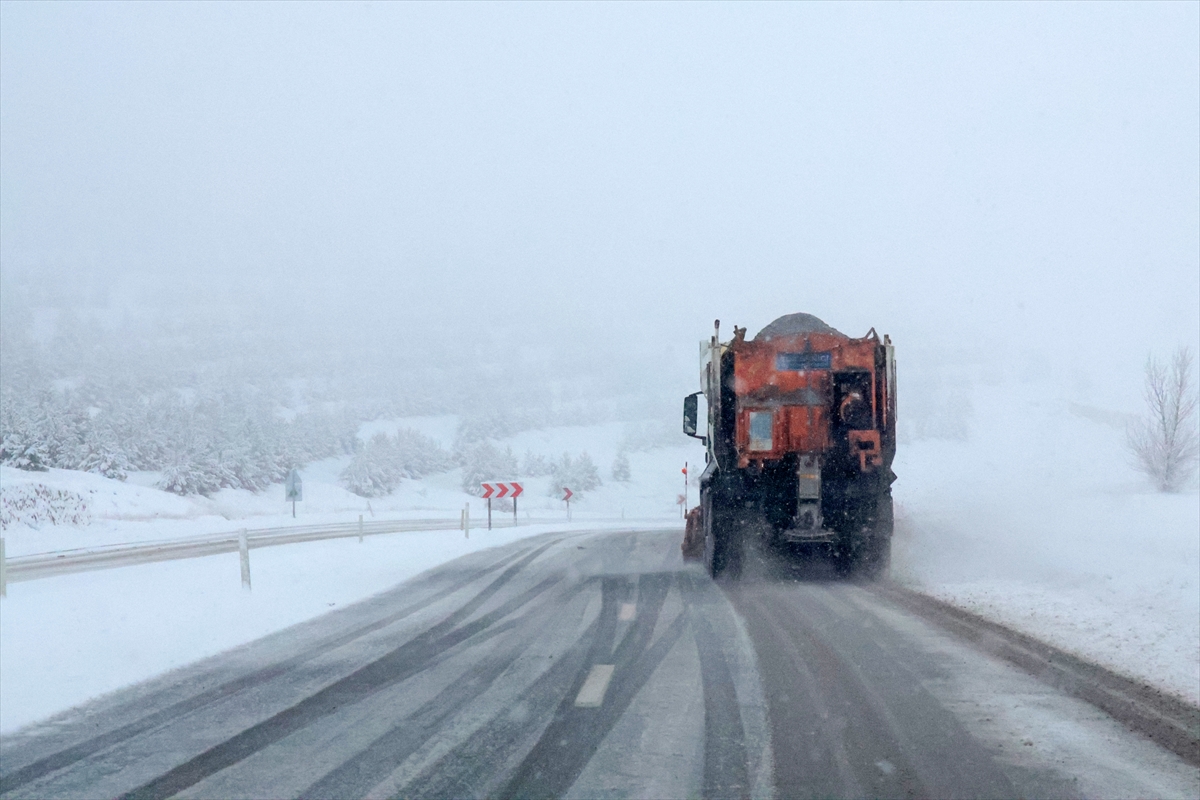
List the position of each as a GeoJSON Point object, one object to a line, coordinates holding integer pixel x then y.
{"type": "Point", "coordinates": [360, 528]}
{"type": "Point", "coordinates": [244, 554]}
{"type": "Point", "coordinates": [3, 571]}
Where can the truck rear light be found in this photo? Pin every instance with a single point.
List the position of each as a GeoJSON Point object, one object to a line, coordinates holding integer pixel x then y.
{"type": "Point", "coordinates": [761, 429]}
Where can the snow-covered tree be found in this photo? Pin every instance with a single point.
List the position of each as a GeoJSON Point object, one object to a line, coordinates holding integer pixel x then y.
{"type": "Point", "coordinates": [102, 453]}
{"type": "Point", "coordinates": [20, 448]}
{"type": "Point", "coordinates": [534, 465]}
{"type": "Point", "coordinates": [373, 472]}
{"type": "Point", "coordinates": [484, 461]}
{"type": "Point", "coordinates": [579, 474]}
{"type": "Point", "coordinates": [201, 476]}
{"type": "Point", "coordinates": [418, 455]}
{"type": "Point", "coordinates": [1164, 442]}
{"type": "Point", "coordinates": [587, 476]}
{"type": "Point", "coordinates": [620, 468]}
{"type": "Point", "coordinates": [382, 463]}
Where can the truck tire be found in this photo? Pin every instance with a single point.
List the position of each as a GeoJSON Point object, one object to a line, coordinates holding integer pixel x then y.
{"type": "Point", "coordinates": [875, 556]}
{"type": "Point", "coordinates": [722, 538]}
{"type": "Point", "coordinates": [864, 542]}
{"type": "Point", "coordinates": [693, 535]}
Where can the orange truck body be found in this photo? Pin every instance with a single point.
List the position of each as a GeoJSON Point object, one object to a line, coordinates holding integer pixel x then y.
{"type": "Point", "coordinates": [801, 434]}
{"type": "Point", "coordinates": [802, 402]}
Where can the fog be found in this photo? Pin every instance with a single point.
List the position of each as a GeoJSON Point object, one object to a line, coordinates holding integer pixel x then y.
{"type": "Point", "coordinates": [472, 197]}
{"type": "Point", "coordinates": [403, 249]}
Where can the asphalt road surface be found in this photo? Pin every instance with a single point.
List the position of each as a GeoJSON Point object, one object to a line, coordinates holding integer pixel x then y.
{"type": "Point", "coordinates": [598, 665]}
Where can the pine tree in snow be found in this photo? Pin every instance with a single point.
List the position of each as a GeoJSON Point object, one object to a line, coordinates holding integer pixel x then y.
{"type": "Point", "coordinates": [373, 472]}
{"type": "Point", "coordinates": [22, 450]}
{"type": "Point", "coordinates": [418, 455]}
{"type": "Point", "coordinates": [100, 452]}
{"type": "Point", "coordinates": [201, 476]}
{"type": "Point", "coordinates": [587, 476]}
{"type": "Point", "coordinates": [19, 445]}
{"type": "Point", "coordinates": [382, 463]}
{"type": "Point", "coordinates": [620, 468]}
{"type": "Point", "coordinates": [484, 461]}
{"type": "Point", "coordinates": [579, 474]}
{"type": "Point", "coordinates": [534, 465]}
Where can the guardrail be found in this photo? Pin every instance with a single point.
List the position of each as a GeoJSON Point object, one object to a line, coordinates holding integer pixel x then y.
{"type": "Point", "coordinates": [61, 562]}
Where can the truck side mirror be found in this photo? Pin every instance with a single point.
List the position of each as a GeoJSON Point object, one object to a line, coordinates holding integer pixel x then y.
{"type": "Point", "coordinates": [691, 415]}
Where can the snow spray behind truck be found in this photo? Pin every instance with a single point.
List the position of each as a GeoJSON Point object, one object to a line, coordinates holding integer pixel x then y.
{"type": "Point", "coordinates": [799, 445]}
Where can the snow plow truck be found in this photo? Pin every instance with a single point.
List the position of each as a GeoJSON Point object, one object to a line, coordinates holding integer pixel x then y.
{"type": "Point", "coordinates": [800, 438]}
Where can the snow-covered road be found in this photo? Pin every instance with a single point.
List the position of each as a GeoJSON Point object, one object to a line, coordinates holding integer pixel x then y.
{"type": "Point", "coordinates": [599, 664]}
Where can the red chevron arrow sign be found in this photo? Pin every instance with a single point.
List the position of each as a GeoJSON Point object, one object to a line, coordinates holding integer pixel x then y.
{"type": "Point", "coordinates": [498, 489]}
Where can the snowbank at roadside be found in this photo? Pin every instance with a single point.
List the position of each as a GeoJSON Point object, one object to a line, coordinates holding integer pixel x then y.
{"type": "Point", "coordinates": [1037, 521]}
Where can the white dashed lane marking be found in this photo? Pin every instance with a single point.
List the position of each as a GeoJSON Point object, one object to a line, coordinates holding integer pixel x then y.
{"type": "Point", "coordinates": [591, 694]}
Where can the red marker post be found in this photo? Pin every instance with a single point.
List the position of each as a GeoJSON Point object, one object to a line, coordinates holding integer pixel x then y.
{"type": "Point", "coordinates": [685, 492]}
{"type": "Point", "coordinates": [488, 491]}
{"type": "Point", "coordinates": [516, 491]}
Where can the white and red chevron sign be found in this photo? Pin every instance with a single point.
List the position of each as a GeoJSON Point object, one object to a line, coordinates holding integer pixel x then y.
{"type": "Point", "coordinates": [498, 489]}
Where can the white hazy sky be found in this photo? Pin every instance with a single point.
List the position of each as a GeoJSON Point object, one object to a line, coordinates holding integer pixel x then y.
{"type": "Point", "coordinates": [950, 173]}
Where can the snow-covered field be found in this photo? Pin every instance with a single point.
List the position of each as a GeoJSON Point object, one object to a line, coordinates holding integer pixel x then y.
{"type": "Point", "coordinates": [1033, 519]}
{"type": "Point", "coordinates": [1037, 521]}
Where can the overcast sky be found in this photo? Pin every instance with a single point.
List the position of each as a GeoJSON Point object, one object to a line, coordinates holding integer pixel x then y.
{"type": "Point", "coordinates": [942, 172]}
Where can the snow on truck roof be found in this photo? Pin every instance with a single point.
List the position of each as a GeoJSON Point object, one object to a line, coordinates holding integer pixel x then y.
{"type": "Point", "coordinates": [792, 324]}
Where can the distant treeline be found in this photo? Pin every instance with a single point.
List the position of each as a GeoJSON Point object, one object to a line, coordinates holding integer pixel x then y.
{"type": "Point", "coordinates": [213, 398]}
{"type": "Point", "coordinates": [200, 441]}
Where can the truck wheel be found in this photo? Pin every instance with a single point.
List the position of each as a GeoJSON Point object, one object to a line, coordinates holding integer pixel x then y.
{"type": "Point", "coordinates": [875, 557]}
{"type": "Point", "coordinates": [845, 554]}
{"type": "Point", "coordinates": [722, 539]}
{"type": "Point", "coordinates": [693, 535]}
{"type": "Point", "coordinates": [864, 542]}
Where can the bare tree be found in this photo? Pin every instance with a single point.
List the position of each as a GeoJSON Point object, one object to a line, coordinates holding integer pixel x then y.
{"type": "Point", "coordinates": [1164, 442]}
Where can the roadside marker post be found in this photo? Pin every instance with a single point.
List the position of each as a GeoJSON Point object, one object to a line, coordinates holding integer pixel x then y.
{"type": "Point", "coordinates": [516, 492]}
{"type": "Point", "coordinates": [244, 557]}
{"type": "Point", "coordinates": [293, 489]}
{"type": "Point", "coordinates": [685, 490]}
{"type": "Point", "coordinates": [3, 571]}
{"type": "Point", "coordinates": [360, 528]}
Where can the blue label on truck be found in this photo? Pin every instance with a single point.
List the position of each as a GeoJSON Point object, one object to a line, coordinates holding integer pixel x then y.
{"type": "Point", "coordinates": [802, 361]}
